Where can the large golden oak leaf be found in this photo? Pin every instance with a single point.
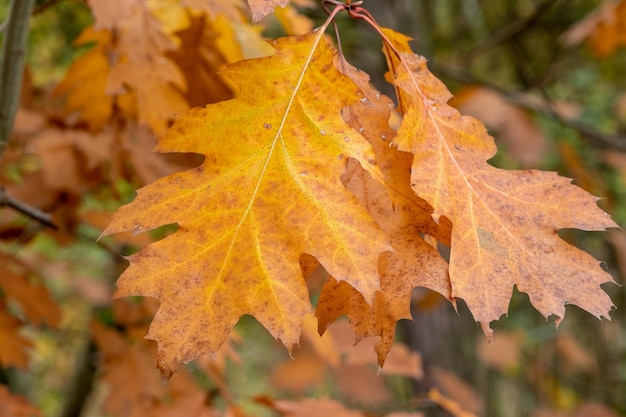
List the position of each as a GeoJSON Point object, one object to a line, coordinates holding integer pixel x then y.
{"type": "Point", "coordinates": [268, 192]}
{"type": "Point", "coordinates": [505, 223]}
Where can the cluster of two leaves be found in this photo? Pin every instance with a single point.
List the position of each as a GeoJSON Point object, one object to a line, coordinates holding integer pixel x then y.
{"type": "Point", "coordinates": [303, 169]}
{"type": "Point", "coordinates": [20, 285]}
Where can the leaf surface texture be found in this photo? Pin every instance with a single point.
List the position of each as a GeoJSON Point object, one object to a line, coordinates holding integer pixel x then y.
{"type": "Point", "coordinates": [268, 192]}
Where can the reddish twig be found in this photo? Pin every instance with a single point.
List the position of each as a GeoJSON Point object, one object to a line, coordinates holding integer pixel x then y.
{"type": "Point", "coordinates": [359, 12]}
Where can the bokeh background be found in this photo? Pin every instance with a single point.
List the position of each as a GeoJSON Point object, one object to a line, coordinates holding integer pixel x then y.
{"type": "Point", "coordinates": [547, 79]}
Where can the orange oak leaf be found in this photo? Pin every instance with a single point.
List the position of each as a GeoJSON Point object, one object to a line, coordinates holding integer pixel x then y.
{"type": "Point", "coordinates": [126, 366]}
{"type": "Point", "coordinates": [142, 46]}
{"type": "Point", "coordinates": [231, 9]}
{"type": "Point", "coordinates": [604, 29]}
{"type": "Point", "coordinates": [108, 13]}
{"type": "Point", "coordinates": [319, 407]}
{"type": "Point", "coordinates": [391, 304]}
{"type": "Point", "coordinates": [505, 223]}
{"type": "Point", "coordinates": [362, 385]}
{"type": "Point", "coordinates": [268, 192]}
{"type": "Point", "coordinates": [402, 216]}
{"type": "Point", "coordinates": [448, 404]}
{"type": "Point", "coordinates": [456, 394]}
{"type": "Point", "coordinates": [404, 362]}
{"type": "Point", "coordinates": [293, 22]}
{"type": "Point", "coordinates": [173, 16]}
{"type": "Point", "coordinates": [13, 346]}
{"type": "Point", "coordinates": [393, 204]}
{"type": "Point", "coordinates": [120, 68]}
{"type": "Point", "coordinates": [515, 130]}
{"type": "Point", "coordinates": [200, 59]}
{"type": "Point", "coordinates": [261, 8]}
{"type": "Point", "coordinates": [237, 41]}
{"type": "Point", "coordinates": [299, 376]}
{"type": "Point", "coordinates": [135, 388]}
{"type": "Point", "coordinates": [610, 34]}
{"type": "Point", "coordinates": [86, 81]}
{"type": "Point", "coordinates": [503, 352]}
{"type": "Point", "coordinates": [20, 283]}
{"type": "Point", "coordinates": [310, 408]}
{"type": "Point", "coordinates": [323, 345]}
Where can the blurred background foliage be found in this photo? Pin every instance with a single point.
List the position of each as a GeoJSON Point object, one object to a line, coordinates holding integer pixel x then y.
{"type": "Point", "coordinates": [509, 64]}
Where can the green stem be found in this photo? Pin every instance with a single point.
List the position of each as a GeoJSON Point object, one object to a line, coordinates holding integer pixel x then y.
{"type": "Point", "coordinates": [12, 58]}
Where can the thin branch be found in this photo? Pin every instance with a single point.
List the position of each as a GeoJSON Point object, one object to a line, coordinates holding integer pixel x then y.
{"type": "Point", "coordinates": [544, 107]}
{"type": "Point", "coordinates": [43, 7]}
{"type": "Point", "coordinates": [511, 30]}
{"type": "Point", "coordinates": [83, 382]}
{"type": "Point", "coordinates": [32, 212]}
{"type": "Point", "coordinates": [45, 219]}
{"type": "Point", "coordinates": [12, 57]}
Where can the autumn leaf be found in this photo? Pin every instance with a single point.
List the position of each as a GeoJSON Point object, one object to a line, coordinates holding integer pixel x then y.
{"type": "Point", "coordinates": [603, 29]}
{"type": "Point", "coordinates": [324, 345]}
{"type": "Point", "coordinates": [142, 47]}
{"type": "Point", "coordinates": [231, 9]}
{"type": "Point", "coordinates": [268, 192]}
{"type": "Point", "coordinates": [71, 160]}
{"type": "Point", "coordinates": [21, 285]}
{"type": "Point", "coordinates": [319, 407]}
{"type": "Point", "coordinates": [575, 356]}
{"type": "Point", "coordinates": [362, 385]}
{"type": "Point", "coordinates": [515, 130]}
{"type": "Point", "coordinates": [610, 35]}
{"type": "Point", "coordinates": [108, 13]}
{"type": "Point", "coordinates": [86, 81]}
{"type": "Point", "coordinates": [448, 404]}
{"type": "Point", "coordinates": [261, 8]}
{"type": "Point", "coordinates": [250, 42]}
{"type": "Point", "coordinates": [292, 21]}
{"type": "Point", "coordinates": [454, 394]}
{"type": "Point", "coordinates": [503, 352]}
{"type": "Point", "coordinates": [200, 60]}
{"type": "Point", "coordinates": [298, 375]}
{"type": "Point", "coordinates": [13, 346]}
{"type": "Point", "coordinates": [173, 17]}
{"type": "Point", "coordinates": [311, 408]}
{"type": "Point", "coordinates": [128, 47]}
{"type": "Point", "coordinates": [401, 215]}
{"type": "Point", "coordinates": [134, 385]}
{"type": "Point", "coordinates": [505, 223]}
{"type": "Point", "coordinates": [404, 362]}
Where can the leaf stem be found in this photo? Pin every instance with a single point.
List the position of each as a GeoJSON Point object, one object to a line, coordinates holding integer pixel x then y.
{"type": "Point", "coordinates": [340, 6]}
{"type": "Point", "coordinates": [358, 12]}
{"type": "Point", "coordinates": [362, 13]}
{"type": "Point", "coordinates": [332, 14]}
